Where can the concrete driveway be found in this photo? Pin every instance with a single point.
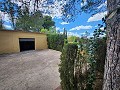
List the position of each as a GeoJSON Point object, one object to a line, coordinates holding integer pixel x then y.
{"type": "Point", "coordinates": [30, 70]}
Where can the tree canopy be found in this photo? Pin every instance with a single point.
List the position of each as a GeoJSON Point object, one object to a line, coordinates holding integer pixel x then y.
{"type": "Point", "coordinates": [48, 22]}
{"type": "Point", "coordinates": [31, 22]}
{"type": "Point", "coordinates": [70, 8]}
{"type": "Point", "coordinates": [23, 18]}
{"type": "Point", "coordinates": [74, 7]}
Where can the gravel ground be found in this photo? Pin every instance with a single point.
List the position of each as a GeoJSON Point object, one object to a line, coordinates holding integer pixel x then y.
{"type": "Point", "coordinates": [30, 70]}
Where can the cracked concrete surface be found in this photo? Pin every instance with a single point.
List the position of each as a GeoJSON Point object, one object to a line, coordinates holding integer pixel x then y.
{"type": "Point", "coordinates": [30, 70]}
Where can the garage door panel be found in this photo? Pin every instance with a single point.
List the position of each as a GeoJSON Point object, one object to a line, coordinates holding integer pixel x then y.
{"type": "Point", "coordinates": [27, 44]}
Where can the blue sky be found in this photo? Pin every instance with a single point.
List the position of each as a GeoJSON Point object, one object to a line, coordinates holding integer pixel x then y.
{"type": "Point", "coordinates": [84, 22]}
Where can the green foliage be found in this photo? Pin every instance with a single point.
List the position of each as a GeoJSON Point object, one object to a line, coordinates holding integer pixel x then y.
{"type": "Point", "coordinates": [92, 56]}
{"type": "Point", "coordinates": [66, 67]}
{"type": "Point", "coordinates": [44, 30]}
{"type": "Point", "coordinates": [55, 41]}
{"type": "Point", "coordinates": [65, 33]}
{"type": "Point", "coordinates": [48, 22]}
{"type": "Point", "coordinates": [35, 22]}
{"type": "Point", "coordinates": [81, 65]}
{"type": "Point", "coordinates": [24, 21]}
{"type": "Point", "coordinates": [88, 65]}
{"type": "Point", "coordinates": [52, 30]}
{"type": "Point", "coordinates": [100, 54]}
{"type": "Point", "coordinates": [29, 22]}
{"type": "Point", "coordinates": [1, 24]}
{"type": "Point", "coordinates": [69, 9]}
{"type": "Point", "coordinates": [72, 39]}
{"type": "Point", "coordinates": [75, 7]}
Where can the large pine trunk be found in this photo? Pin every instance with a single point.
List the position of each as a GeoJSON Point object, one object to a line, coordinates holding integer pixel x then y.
{"type": "Point", "coordinates": [112, 63]}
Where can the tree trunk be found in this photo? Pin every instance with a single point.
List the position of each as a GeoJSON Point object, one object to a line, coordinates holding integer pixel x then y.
{"type": "Point", "coordinates": [112, 63]}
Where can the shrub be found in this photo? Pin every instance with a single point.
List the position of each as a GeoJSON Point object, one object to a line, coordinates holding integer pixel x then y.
{"type": "Point", "coordinates": [55, 41]}
{"type": "Point", "coordinates": [66, 67]}
{"type": "Point", "coordinates": [81, 68]}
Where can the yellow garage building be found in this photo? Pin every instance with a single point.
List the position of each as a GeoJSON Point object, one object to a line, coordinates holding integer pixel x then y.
{"type": "Point", "coordinates": [12, 41]}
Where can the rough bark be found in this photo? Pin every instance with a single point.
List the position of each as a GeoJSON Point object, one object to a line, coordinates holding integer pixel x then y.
{"type": "Point", "coordinates": [112, 63]}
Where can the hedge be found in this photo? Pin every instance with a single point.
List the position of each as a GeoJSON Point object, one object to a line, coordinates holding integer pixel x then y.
{"type": "Point", "coordinates": [66, 67]}
{"type": "Point", "coordinates": [55, 41]}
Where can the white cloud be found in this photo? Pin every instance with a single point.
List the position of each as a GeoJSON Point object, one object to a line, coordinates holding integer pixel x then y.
{"type": "Point", "coordinates": [73, 34]}
{"type": "Point", "coordinates": [103, 5]}
{"type": "Point", "coordinates": [57, 28]}
{"type": "Point", "coordinates": [18, 2]}
{"type": "Point", "coordinates": [61, 32]}
{"type": "Point", "coordinates": [88, 35]}
{"type": "Point", "coordinates": [5, 17]}
{"type": "Point", "coordinates": [83, 3]}
{"type": "Point", "coordinates": [63, 23]}
{"type": "Point", "coordinates": [54, 9]}
{"type": "Point", "coordinates": [81, 27]}
{"type": "Point", "coordinates": [7, 26]}
{"type": "Point", "coordinates": [97, 17]}
{"type": "Point", "coordinates": [102, 28]}
{"type": "Point", "coordinates": [96, 26]}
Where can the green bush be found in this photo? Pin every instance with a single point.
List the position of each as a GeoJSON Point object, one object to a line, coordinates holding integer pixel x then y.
{"type": "Point", "coordinates": [66, 67]}
{"type": "Point", "coordinates": [82, 67]}
{"type": "Point", "coordinates": [91, 54]}
{"type": "Point", "coordinates": [55, 41]}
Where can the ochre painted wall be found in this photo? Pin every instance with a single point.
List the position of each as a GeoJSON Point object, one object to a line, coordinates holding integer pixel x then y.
{"type": "Point", "coordinates": [9, 40]}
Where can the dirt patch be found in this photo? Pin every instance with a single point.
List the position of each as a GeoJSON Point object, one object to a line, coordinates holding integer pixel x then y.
{"type": "Point", "coordinates": [30, 70]}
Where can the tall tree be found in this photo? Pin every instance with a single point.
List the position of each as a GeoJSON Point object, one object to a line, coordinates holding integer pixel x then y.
{"type": "Point", "coordinates": [48, 22]}
{"type": "Point", "coordinates": [65, 33]}
{"type": "Point", "coordinates": [37, 21]}
{"type": "Point", "coordinates": [30, 22]}
{"type": "Point", "coordinates": [23, 21]}
{"type": "Point", "coordinates": [1, 22]}
{"type": "Point", "coordinates": [112, 63]}
{"type": "Point", "coordinates": [11, 9]}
